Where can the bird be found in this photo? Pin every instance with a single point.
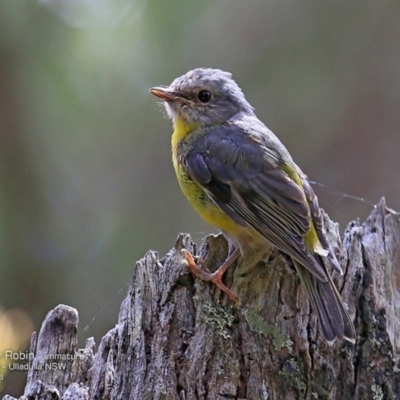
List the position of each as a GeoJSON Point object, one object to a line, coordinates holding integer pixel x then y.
{"type": "Point", "coordinates": [241, 179]}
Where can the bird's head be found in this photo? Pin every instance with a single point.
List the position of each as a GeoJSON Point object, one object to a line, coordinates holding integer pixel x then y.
{"type": "Point", "coordinates": [203, 97]}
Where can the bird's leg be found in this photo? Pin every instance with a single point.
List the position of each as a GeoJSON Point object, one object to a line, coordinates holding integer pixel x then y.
{"type": "Point", "coordinates": [215, 277]}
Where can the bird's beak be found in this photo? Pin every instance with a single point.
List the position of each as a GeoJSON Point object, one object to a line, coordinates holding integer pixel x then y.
{"type": "Point", "coordinates": [165, 94]}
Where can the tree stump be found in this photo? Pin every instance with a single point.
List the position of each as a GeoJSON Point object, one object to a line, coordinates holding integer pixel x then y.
{"type": "Point", "coordinates": [181, 338]}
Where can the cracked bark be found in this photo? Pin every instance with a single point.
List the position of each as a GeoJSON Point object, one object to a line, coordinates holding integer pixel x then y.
{"type": "Point", "coordinates": [179, 338]}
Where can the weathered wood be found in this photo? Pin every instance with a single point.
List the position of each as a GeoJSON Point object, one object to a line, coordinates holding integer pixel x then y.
{"type": "Point", "coordinates": [180, 338]}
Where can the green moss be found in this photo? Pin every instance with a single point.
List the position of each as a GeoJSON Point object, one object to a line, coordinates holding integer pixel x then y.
{"type": "Point", "coordinates": [294, 374]}
{"type": "Point", "coordinates": [257, 324]}
{"type": "Point", "coordinates": [218, 318]}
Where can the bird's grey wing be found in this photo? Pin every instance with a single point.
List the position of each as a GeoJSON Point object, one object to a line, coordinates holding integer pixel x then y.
{"type": "Point", "coordinates": [318, 222]}
{"type": "Point", "coordinates": [252, 190]}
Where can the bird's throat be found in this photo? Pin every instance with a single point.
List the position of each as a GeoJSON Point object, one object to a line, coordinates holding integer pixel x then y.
{"type": "Point", "coordinates": [181, 130]}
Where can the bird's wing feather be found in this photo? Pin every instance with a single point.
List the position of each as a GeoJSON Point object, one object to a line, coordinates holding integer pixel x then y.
{"type": "Point", "coordinates": [243, 178]}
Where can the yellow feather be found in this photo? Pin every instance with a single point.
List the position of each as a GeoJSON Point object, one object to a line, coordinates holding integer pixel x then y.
{"type": "Point", "coordinates": [311, 238]}
{"type": "Point", "coordinates": [181, 130]}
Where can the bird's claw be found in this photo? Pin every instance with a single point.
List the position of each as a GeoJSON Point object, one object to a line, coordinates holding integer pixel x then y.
{"type": "Point", "coordinates": [205, 275]}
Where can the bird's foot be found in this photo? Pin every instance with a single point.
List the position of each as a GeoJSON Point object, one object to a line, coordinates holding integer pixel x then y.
{"type": "Point", "coordinates": [215, 277]}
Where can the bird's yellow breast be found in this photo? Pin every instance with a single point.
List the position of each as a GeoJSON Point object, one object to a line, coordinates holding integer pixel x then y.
{"type": "Point", "coordinates": [181, 130]}
{"type": "Point", "coordinates": [197, 197]}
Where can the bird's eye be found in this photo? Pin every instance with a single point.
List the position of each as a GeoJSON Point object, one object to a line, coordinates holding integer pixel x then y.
{"type": "Point", "coordinates": [204, 96]}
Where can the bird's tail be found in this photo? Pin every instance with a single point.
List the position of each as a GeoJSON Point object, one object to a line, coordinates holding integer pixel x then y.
{"type": "Point", "coordinates": [334, 319]}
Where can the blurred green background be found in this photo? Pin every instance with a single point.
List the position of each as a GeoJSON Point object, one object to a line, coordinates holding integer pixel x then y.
{"type": "Point", "coordinates": [86, 181]}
